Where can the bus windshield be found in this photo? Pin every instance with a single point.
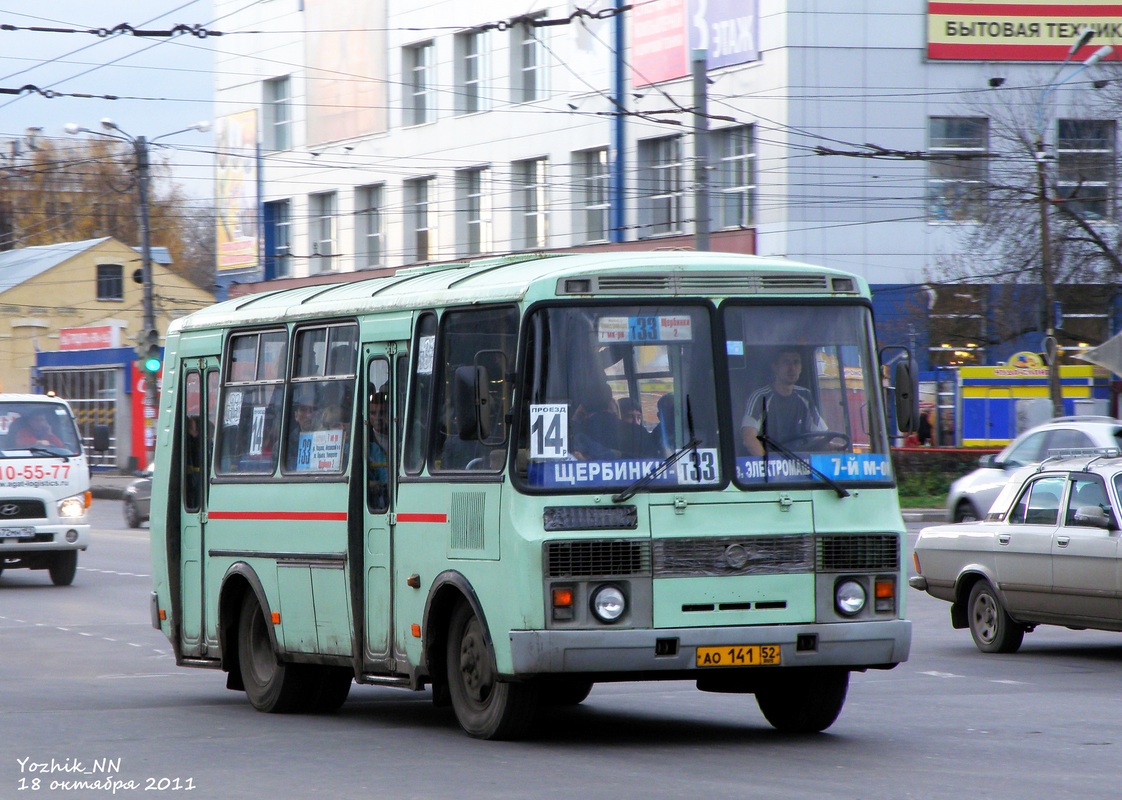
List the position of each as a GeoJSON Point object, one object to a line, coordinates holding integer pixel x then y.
{"type": "Point", "coordinates": [30, 429]}
{"type": "Point", "coordinates": [804, 393]}
{"type": "Point", "coordinates": [609, 391]}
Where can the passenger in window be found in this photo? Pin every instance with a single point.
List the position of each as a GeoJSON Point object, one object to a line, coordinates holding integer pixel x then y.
{"type": "Point", "coordinates": [377, 457]}
{"type": "Point", "coordinates": [302, 422]}
{"type": "Point", "coordinates": [663, 432]}
{"type": "Point", "coordinates": [635, 440]}
{"type": "Point", "coordinates": [783, 410]}
{"type": "Point", "coordinates": [597, 428]}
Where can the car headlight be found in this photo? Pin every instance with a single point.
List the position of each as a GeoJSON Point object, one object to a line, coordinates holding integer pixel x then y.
{"type": "Point", "coordinates": [608, 603]}
{"type": "Point", "coordinates": [849, 597]}
{"type": "Point", "coordinates": [72, 507]}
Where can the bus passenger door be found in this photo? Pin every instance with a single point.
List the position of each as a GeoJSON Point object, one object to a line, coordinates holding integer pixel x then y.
{"type": "Point", "coordinates": [382, 410]}
{"type": "Point", "coordinates": [197, 627]}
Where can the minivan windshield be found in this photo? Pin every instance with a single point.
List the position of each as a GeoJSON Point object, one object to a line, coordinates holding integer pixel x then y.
{"type": "Point", "coordinates": [611, 391]}
{"type": "Point", "coordinates": [32, 430]}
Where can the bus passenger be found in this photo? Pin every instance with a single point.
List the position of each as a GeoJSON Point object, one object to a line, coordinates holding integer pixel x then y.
{"type": "Point", "coordinates": [302, 421]}
{"type": "Point", "coordinates": [635, 440]}
{"type": "Point", "coordinates": [597, 429]}
{"type": "Point", "coordinates": [663, 432]}
{"type": "Point", "coordinates": [377, 455]}
{"type": "Point", "coordinates": [782, 409]}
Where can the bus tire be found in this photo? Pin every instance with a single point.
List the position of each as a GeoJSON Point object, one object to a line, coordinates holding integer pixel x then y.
{"type": "Point", "coordinates": [804, 701]}
{"type": "Point", "coordinates": [271, 686]}
{"type": "Point", "coordinates": [329, 688]}
{"type": "Point", "coordinates": [63, 566]}
{"type": "Point", "coordinates": [485, 707]}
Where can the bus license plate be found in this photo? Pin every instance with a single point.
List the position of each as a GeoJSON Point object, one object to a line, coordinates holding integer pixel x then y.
{"type": "Point", "coordinates": [17, 533]}
{"type": "Point", "coordinates": [755, 655]}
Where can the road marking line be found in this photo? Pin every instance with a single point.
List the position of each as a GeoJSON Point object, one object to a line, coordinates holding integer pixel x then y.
{"type": "Point", "coordinates": [935, 674]}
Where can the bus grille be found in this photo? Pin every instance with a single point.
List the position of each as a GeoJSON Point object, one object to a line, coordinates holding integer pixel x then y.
{"type": "Point", "coordinates": [858, 553]}
{"type": "Point", "coordinates": [727, 555]}
{"type": "Point", "coordinates": [22, 509]}
{"type": "Point", "coordinates": [583, 559]}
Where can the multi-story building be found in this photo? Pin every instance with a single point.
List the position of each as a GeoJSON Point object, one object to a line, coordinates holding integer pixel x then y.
{"type": "Point", "coordinates": [855, 135]}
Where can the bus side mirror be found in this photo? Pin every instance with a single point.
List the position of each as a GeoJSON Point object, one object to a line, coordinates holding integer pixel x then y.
{"type": "Point", "coordinates": [101, 438]}
{"type": "Point", "coordinates": [907, 404]}
{"type": "Point", "coordinates": [472, 403]}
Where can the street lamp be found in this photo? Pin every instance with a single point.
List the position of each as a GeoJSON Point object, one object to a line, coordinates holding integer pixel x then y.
{"type": "Point", "coordinates": [1047, 277]}
{"type": "Point", "coordinates": [150, 334]}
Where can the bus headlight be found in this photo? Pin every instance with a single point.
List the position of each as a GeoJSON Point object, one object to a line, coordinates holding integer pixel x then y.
{"type": "Point", "coordinates": [849, 598]}
{"type": "Point", "coordinates": [72, 507]}
{"type": "Point", "coordinates": [608, 603]}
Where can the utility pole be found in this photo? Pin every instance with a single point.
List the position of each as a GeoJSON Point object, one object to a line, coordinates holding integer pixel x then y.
{"type": "Point", "coordinates": [698, 68]}
{"type": "Point", "coordinates": [151, 396]}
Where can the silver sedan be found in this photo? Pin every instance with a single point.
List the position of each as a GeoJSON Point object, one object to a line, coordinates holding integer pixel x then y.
{"type": "Point", "coordinates": [1048, 553]}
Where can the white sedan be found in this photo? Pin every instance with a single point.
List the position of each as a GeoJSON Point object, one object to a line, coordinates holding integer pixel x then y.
{"type": "Point", "coordinates": [1047, 553]}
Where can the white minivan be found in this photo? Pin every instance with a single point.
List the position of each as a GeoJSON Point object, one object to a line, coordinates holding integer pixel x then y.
{"type": "Point", "coordinates": [44, 486]}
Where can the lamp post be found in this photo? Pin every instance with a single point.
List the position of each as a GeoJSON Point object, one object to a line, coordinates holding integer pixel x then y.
{"type": "Point", "coordinates": [150, 334]}
{"type": "Point", "coordinates": [1047, 275]}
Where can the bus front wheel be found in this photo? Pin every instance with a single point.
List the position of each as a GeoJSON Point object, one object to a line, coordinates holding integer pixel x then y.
{"type": "Point", "coordinates": [804, 701]}
{"type": "Point", "coordinates": [271, 686]}
{"type": "Point", "coordinates": [485, 707]}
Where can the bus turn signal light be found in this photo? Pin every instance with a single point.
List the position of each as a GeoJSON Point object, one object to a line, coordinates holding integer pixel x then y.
{"type": "Point", "coordinates": [885, 593]}
{"type": "Point", "coordinates": [562, 602]}
{"type": "Point", "coordinates": [276, 618]}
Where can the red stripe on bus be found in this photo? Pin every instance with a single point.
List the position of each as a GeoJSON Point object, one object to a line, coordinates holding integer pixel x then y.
{"type": "Point", "coordinates": [422, 517]}
{"type": "Point", "coordinates": [1016, 12]}
{"type": "Point", "coordinates": [300, 516]}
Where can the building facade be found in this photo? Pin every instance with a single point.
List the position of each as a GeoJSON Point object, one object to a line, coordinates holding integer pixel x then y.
{"type": "Point", "coordinates": [855, 135]}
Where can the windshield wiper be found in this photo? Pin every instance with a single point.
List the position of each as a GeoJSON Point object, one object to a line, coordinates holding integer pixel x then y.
{"type": "Point", "coordinates": [769, 442]}
{"type": "Point", "coordinates": [52, 451]}
{"type": "Point", "coordinates": [664, 465]}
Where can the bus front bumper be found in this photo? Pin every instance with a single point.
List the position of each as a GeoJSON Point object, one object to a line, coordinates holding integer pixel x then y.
{"type": "Point", "coordinates": [852, 644]}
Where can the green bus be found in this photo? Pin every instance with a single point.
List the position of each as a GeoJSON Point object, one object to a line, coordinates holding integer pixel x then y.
{"type": "Point", "coordinates": [506, 480]}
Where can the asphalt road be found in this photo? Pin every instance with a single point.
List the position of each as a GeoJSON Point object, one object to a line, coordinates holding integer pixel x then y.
{"type": "Point", "coordinates": [86, 682]}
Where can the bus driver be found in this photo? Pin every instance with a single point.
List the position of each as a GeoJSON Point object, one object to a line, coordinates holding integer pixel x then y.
{"type": "Point", "coordinates": [789, 408]}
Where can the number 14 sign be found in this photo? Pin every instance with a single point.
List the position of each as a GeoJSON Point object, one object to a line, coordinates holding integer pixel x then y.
{"type": "Point", "coordinates": [549, 431]}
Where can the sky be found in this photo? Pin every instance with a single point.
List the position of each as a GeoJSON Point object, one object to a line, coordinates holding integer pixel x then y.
{"type": "Point", "coordinates": [163, 84]}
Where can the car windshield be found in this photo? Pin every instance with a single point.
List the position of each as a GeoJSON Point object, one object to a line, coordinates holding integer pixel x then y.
{"type": "Point", "coordinates": [30, 429]}
{"type": "Point", "coordinates": [610, 391]}
{"type": "Point", "coordinates": [804, 394]}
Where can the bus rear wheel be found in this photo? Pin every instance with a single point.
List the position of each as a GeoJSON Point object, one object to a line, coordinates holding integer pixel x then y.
{"type": "Point", "coordinates": [485, 707]}
{"type": "Point", "coordinates": [271, 686]}
{"type": "Point", "coordinates": [804, 701]}
{"type": "Point", "coordinates": [63, 566]}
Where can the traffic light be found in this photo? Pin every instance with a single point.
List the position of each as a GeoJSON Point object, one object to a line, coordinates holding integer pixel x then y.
{"type": "Point", "coordinates": [148, 352]}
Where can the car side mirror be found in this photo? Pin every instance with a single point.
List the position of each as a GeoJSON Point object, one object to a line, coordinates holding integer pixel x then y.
{"type": "Point", "coordinates": [989, 461]}
{"type": "Point", "coordinates": [1094, 516]}
{"type": "Point", "coordinates": [101, 438]}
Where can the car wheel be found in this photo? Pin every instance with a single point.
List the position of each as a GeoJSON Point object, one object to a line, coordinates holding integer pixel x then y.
{"type": "Point", "coordinates": [271, 686]}
{"type": "Point", "coordinates": [486, 707]}
{"type": "Point", "coordinates": [63, 566]}
{"type": "Point", "coordinates": [132, 516]}
{"type": "Point", "coordinates": [965, 512]}
{"type": "Point", "coordinates": [994, 631]}
{"type": "Point", "coordinates": [805, 700]}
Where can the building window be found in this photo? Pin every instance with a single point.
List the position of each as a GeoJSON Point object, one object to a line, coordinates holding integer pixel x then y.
{"type": "Point", "coordinates": [593, 188]}
{"type": "Point", "coordinates": [471, 73]}
{"type": "Point", "coordinates": [110, 282]}
{"type": "Point", "coordinates": [531, 206]}
{"type": "Point", "coordinates": [369, 231]}
{"type": "Point", "coordinates": [278, 237]}
{"type": "Point", "coordinates": [278, 114]}
{"type": "Point", "coordinates": [956, 186]}
{"type": "Point", "coordinates": [734, 177]}
{"type": "Point", "coordinates": [472, 211]}
{"type": "Point", "coordinates": [1085, 160]}
{"type": "Point", "coordinates": [418, 218]}
{"type": "Point", "coordinates": [419, 82]}
{"type": "Point", "coordinates": [528, 61]}
{"type": "Point", "coordinates": [322, 231]}
{"type": "Point", "coordinates": [660, 185]}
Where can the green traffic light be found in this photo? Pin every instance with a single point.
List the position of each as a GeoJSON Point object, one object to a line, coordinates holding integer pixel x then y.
{"type": "Point", "coordinates": [152, 365]}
